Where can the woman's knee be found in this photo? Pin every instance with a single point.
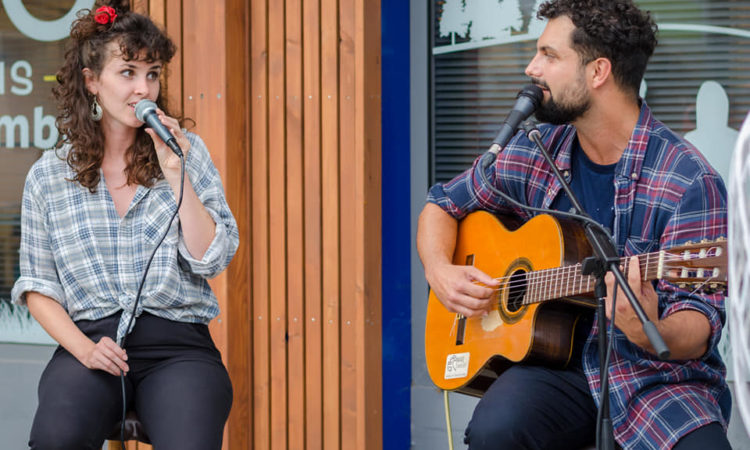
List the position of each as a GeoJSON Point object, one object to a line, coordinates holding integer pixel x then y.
{"type": "Point", "coordinates": [186, 403]}
{"type": "Point", "coordinates": [60, 434]}
{"type": "Point", "coordinates": [77, 406]}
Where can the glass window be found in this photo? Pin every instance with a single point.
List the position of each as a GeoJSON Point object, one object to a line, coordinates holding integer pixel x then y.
{"type": "Point", "coordinates": [696, 82]}
{"type": "Point", "coordinates": [32, 34]}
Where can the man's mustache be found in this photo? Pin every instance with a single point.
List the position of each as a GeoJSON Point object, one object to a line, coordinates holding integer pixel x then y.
{"type": "Point", "coordinates": [540, 83]}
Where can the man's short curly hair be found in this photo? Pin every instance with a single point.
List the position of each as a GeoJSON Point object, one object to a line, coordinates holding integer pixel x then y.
{"type": "Point", "coordinates": [612, 29]}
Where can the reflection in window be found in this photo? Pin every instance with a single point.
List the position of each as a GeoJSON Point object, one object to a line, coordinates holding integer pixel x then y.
{"type": "Point", "coordinates": [27, 120]}
{"type": "Point", "coordinates": [477, 73]}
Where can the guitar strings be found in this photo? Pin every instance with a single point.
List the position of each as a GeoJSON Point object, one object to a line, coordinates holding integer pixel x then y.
{"type": "Point", "coordinates": [545, 275]}
{"type": "Point", "coordinates": [550, 272]}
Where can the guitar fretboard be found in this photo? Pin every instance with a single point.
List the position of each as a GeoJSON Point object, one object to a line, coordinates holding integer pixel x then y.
{"type": "Point", "coordinates": [569, 281]}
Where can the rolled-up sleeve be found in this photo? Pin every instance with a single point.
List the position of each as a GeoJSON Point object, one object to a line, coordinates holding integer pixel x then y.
{"type": "Point", "coordinates": [701, 216]}
{"type": "Point", "coordinates": [36, 263]}
{"type": "Point", "coordinates": [466, 193]}
{"type": "Point", "coordinates": [207, 184]}
{"type": "Point", "coordinates": [440, 194]}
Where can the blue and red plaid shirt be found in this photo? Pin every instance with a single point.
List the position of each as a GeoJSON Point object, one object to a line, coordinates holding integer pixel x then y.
{"type": "Point", "coordinates": [665, 194]}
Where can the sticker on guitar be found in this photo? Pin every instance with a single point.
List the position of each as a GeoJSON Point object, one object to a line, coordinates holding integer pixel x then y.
{"type": "Point", "coordinates": [457, 365]}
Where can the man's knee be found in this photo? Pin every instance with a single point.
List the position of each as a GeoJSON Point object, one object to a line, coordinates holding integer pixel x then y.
{"type": "Point", "coordinates": [486, 432]}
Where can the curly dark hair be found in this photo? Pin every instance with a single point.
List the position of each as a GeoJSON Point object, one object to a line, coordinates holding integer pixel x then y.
{"type": "Point", "coordinates": [612, 29]}
{"type": "Point", "coordinates": [139, 39]}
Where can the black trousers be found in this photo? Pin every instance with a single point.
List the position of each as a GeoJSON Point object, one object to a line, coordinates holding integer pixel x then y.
{"type": "Point", "coordinates": [532, 407]}
{"type": "Point", "coordinates": [177, 385]}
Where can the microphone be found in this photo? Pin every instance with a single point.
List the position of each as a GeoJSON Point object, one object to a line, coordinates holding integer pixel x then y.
{"type": "Point", "coordinates": [145, 111]}
{"type": "Point", "coordinates": [527, 101]}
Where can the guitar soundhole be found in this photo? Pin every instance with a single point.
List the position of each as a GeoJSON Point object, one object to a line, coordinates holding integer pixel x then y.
{"type": "Point", "coordinates": [516, 290]}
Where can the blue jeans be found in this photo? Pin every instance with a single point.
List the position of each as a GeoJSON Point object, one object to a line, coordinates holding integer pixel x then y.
{"type": "Point", "coordinates": [533, 407]}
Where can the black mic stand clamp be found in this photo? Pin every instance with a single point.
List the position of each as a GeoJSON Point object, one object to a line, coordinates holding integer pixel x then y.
{"type": "Point", "coordinates": [605, 259]}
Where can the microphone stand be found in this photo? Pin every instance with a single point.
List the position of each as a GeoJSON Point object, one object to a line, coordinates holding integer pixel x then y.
{"type": "Point", "coordinates": [605, 259]}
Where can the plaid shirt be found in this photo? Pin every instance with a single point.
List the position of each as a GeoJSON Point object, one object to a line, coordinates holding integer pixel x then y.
{"type": "Point", "coordinates": [665, 194]}
{"type": "Point", "coordinates": [78, 251]}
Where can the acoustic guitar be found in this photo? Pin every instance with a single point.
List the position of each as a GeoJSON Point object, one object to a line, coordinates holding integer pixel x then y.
{"type": "Point", "coordinates": [541, 296]}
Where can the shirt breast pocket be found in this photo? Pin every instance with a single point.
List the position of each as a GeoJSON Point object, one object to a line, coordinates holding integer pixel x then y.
{"type": "Point", "coordinates": [154, 233]}
{"type": "Point", "coordinates": [637, 246]}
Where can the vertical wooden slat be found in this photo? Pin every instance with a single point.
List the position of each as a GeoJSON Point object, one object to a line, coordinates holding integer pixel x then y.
{"type": "Point", "coordinates": [204, 99]}
{"type": "Point", "coordinates": [369, 228]}
{"type": "Point", "coordinates": [348, 191]}
{"type": "Point", "coordinates": [313, 225]}
{"type": "Point", "coordinates": [157, 11]}
{"type": "Point", "coordinates": [239, 316]}
{"type": "Point", "coordinates": [295, 226]}
{"type": "Point", "coordinates": [173, 24]}
{"type": "Point", "coordinates": [139, 6]}
{"type": "Point", "coordinates": [260, 233]}
{"type": "Point", "coordinates": [331, 211]}
{"type": "Point", "coordinates": [277, 224]}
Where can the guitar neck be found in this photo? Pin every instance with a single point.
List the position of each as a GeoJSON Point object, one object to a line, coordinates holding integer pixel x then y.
{"type": "Point", "coordinates": [558, 282]}
{"type": "Point", "coordinates": [569, 281]}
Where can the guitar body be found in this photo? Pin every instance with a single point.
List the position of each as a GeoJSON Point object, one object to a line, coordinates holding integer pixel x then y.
{"type": "Point", "coordinates": [467, 354]}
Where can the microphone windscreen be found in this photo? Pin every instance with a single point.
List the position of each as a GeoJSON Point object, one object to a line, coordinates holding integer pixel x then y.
{"type": "Point", "coordinates": [142, 107]}
{"type": "Point", "coordinates": [534, 93]}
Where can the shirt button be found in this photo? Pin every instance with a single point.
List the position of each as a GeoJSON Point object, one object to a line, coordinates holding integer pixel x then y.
{"type": "Point", "coordinates": [634, 176]}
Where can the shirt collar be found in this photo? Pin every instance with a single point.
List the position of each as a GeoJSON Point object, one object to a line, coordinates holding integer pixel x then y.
{"type": "Point", "coordinates": [630, 163]}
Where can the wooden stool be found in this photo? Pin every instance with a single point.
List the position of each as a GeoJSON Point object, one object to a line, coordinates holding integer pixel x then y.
{"type": "Point", "coordinates": [133, 432]}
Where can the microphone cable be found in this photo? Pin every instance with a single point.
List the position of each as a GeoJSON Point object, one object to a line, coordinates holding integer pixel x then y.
{"type": "Point", "coordinates": [138, 295]}
{"type": "Point", "coordinates": [514, 202]}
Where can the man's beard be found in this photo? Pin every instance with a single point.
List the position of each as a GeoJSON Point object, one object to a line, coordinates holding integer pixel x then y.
{"type": "Point", "coordinates": [556, 113]}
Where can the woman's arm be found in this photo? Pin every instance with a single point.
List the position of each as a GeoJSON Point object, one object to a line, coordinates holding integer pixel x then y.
{"type": "Point", "coordinates": [198, 227]}
{"type": "Point", "coordinates": [104, 355]}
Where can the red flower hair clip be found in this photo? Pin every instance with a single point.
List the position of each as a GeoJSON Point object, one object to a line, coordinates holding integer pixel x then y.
{"type": "Point", "coordinates": [105, 15]}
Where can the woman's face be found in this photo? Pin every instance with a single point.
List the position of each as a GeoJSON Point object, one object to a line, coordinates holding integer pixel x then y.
{"type": "Point", "coordinates": [120, 85]}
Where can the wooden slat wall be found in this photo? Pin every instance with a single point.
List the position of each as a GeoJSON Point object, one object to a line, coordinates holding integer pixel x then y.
{"type": "Point", "coordinates": [286, 94]}
{"type": "Point", "coordinates": [315, 146]}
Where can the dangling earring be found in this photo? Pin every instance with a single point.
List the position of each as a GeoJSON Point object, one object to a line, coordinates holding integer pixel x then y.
{"type": "Point", "coordinates": [96, 111]}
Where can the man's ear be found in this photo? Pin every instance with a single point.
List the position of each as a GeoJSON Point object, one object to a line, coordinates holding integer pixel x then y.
{"type": "Point", "coordinates": [600, 70]}
{"type": "Point", "coordinates": [90, 80]}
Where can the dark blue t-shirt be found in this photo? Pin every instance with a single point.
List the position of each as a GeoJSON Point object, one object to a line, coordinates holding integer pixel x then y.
{"type": "Point", "coordinates": [593, 185]}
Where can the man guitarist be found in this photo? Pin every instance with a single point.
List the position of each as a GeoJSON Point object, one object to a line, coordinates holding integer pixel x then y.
{"type": "Point", "coordinates": [639, 179]}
